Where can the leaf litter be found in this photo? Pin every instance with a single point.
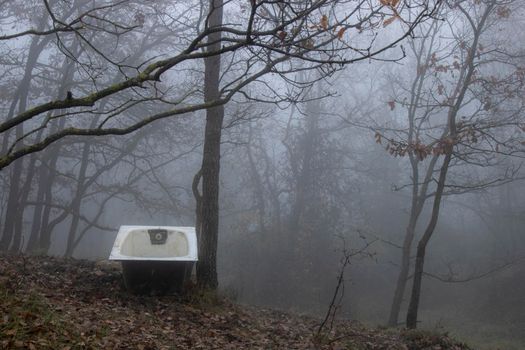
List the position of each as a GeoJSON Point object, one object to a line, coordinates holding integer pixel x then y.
{"type": "Point", "coordinates": [67, 304]}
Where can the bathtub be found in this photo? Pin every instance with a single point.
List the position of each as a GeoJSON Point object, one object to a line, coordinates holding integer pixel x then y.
{"type": "Point", "coordinates": [155, 259]}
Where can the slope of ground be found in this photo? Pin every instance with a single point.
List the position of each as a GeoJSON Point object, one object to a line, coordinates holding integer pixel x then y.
{"type": "Point", "coordinates": [50, 303]}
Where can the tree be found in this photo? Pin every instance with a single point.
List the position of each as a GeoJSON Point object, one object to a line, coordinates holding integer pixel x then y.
{"type": "Point", "coordinates": [208, 225]}
{"type": "Point", "coordinates": [311, 38]}
{"type": "Point", "coordinates": [261, 38]}
{"type": "Point", "coordinates": [44, 173]}
{"type": "Point", "coordinates": [456, 82]}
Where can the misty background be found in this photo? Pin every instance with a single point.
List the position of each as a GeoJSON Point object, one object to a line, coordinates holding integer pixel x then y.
{"type": "Point", "coordinates": [303, 180]}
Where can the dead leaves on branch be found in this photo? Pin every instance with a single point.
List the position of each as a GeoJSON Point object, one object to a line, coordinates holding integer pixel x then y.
{"type": "Point", "coordinates": [392, 4]}
{"type": "Point", "coordinates": [388, 21]}
{"type": "Point", "coordinates": [503, 11]}
{"type": "Point", "coordinates": [324, 22]}
{"type": "Point", "coordinates": [467, 134]}
{"type": "Point", "coordinates": [338, 29]}
{"type": "Point", "coordinates": [324, 25]}
{"type": "Point", "coordinates": [420, 150]}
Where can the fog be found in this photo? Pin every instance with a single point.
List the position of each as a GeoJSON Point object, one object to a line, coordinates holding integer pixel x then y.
{"type": "Point", "coordinates": [354, 148]}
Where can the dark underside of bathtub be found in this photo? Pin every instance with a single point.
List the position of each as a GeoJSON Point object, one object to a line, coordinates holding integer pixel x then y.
{"type": "Point", "coordinates": [156, 277]}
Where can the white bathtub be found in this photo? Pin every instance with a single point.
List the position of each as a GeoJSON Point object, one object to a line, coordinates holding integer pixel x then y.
{"type": "Point", "coordinates": [155, 259]}
{"type": "Point", "coordinates": [134, 243]}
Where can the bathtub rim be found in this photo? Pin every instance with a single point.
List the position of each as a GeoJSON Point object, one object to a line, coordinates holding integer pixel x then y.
{"type": "Point", "coordinates": [124, 230]}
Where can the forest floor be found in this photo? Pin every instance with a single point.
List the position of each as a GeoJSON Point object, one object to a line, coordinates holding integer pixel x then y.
{"type": "Point", "coordinates": [51, 303]}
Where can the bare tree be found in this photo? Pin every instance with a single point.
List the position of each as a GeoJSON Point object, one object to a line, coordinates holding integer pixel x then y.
{"type": "Point", "coordinates": [261, 38]}
{"type": "Point", "coordinates": [454, 81]}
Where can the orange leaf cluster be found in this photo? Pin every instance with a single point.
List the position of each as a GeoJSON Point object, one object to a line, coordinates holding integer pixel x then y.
{"type": "Point", "coordinates": [503, 12]}
{"type": "Point", "coordinates": [417, 148]}
{"type": "Point", "coordinates": [340, 33]}
{"type": "Point", "coordinates": [324, 22]}
{"type": "Point", "coordinates": [389, 21]}
{"type": "Point", "coordinates": [391, 3]}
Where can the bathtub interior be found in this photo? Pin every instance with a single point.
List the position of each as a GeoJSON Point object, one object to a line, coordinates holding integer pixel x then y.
{"type": "Point", "coordinates": [139, 243]}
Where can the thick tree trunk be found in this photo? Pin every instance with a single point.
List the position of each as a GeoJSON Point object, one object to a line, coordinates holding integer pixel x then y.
{"type": "Point", "coordinates": [207, 265]}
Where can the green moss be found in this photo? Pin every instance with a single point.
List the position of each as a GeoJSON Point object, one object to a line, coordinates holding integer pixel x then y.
{"type": "Point", "coordinates": [28, 322]}
{"type": "Point", "coordinates": [420, 339]}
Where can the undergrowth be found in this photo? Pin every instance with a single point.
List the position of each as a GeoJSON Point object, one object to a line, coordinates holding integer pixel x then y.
{"type": "Point", "coordinates": [28, 322]}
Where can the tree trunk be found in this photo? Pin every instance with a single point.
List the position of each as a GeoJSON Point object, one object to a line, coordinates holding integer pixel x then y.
{"type": "Point", "coordinates": [207, 265]}
{"type": "Point", "coordinates": [47, 168]}
{"type": "Point", "coordinates": [257, 184]}
{"type": "Point", "coordinates": [419, 196]}
{"type": "Point", "coordinates": [24, 193]}
{"type": "Point", "coordinates": [77, 200]}
{"type": "Point", "coordinates": [46, 183]}
{"type": "Point", "coordinates": [402, 278]}
{"type": "Point", "coordinates": [12, 205]}
{"type": "Point", "coordinates": [422, 245]}
{"type": "Point", "coordinates": [14, 212]}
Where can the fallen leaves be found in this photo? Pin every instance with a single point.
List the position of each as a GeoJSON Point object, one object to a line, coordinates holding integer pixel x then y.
{"type": "Point", "coordinates": [50, 303]}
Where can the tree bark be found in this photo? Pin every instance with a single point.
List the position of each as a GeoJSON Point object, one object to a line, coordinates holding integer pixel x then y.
{"type": "Point", "coordinates": [77, 200]}
{"type": "Point", "coordinates": [207, 265]}
{"type": "Point", "coordinates": [402, 278]}
{"type": "Point", "coordinates": [422, 245]}
{"type": "Point", "coordinates": [14, 213]}
{"type": "Point", "coordinates": [462, 86]}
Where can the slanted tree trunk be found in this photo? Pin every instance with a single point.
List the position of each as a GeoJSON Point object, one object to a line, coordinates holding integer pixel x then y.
{"type": "Point", "coordinates": [459, 93]}
{"type": "Point", "coordinates": [423, 55]}
{"type": "Point", "coordinates": [402, 278]}
{"type": "Point", "coordinates": [422, 245]}
{"type": "Point", "coordinates": [419, 196]}
{"type": "Point", "coordinates": [207, 265]}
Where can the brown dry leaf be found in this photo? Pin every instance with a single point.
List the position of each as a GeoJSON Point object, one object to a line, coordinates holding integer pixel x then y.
{"type": "Point", "coordinates": [10, 332]}
{"type": "Point", "coordinates": [378, 137]}
{"type": "Point", "coordinates": [340, 33]}
{"type": "Point", "coordinates": [392, 104]}
{"type": "Point", "coordinates": [390, 3]}
{"type": "Point", "coordinates": [389, 21]}
{"type": "Point", "coordinates": [324, 22]}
